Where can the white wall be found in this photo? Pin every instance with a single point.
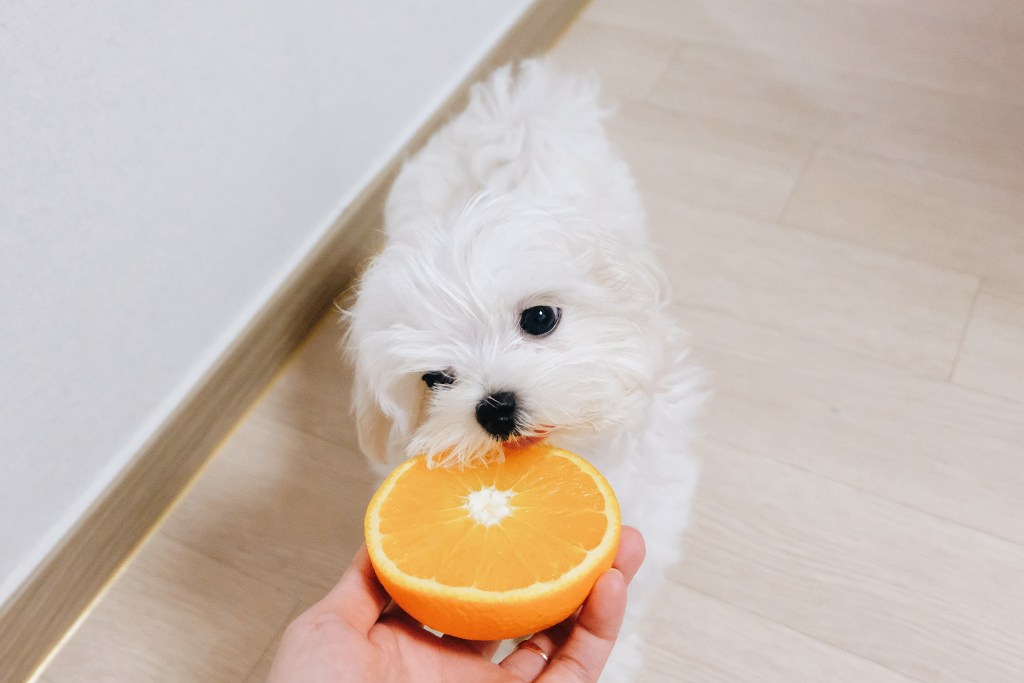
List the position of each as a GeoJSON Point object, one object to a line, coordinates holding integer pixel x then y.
{"type": "Point", "coordinates": [163, 166]}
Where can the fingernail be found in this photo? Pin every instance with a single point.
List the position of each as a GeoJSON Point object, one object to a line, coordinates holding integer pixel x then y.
{"type": "Point", "coordinates": [613, 570]}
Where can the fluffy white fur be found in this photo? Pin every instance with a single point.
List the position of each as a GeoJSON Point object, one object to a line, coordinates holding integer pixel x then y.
{"type": "Point", "coordinates": [521, 201]}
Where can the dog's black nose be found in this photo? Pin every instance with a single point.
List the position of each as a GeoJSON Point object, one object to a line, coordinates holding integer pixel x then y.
{"type": "Point", "coordinates": [497, 414]}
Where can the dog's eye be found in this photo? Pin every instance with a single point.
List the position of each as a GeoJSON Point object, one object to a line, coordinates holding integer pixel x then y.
{"type": "Point", "coordinates": [539, 320]}
{"type": "Point", "coordinates": [432, 379]}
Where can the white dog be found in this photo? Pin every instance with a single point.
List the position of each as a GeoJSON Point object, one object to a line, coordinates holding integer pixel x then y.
{"type": "Point", "coordinates": [517, 299]}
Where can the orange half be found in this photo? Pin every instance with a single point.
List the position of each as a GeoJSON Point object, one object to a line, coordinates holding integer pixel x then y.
{"type": "Point", "coordinates": [493, 551]}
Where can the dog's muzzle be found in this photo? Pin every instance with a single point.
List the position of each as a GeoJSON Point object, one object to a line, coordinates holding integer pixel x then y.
{"type": "Point", "coordinates": [497, 414]}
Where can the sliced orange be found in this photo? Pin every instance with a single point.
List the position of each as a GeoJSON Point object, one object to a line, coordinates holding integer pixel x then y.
{"type": "Point", "coordinates": [493, 551]}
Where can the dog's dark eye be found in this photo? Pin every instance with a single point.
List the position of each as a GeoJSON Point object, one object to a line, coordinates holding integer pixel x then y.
{"type": "Point", "coordinates": [432, 379]}
{"type": "Point", "coordinates": [539, 320]}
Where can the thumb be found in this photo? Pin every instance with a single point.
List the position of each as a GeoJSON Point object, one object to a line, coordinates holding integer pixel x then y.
{"type": "Point", "coordinates": [590, 642]}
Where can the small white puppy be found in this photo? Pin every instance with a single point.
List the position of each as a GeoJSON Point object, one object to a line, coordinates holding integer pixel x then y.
{"type": "Point", "coordinates": [517, 299]}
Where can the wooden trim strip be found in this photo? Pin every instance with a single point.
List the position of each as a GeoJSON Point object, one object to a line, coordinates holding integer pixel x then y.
{"type": "Point", "coordinates": [46, 607]}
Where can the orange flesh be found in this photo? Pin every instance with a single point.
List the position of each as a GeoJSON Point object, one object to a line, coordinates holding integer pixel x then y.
{"type": "Point", "coordinates": [540, 540]}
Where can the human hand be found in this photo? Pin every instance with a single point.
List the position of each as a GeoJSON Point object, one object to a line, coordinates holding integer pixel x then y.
{"type": "Point", "coordinates": [352, 635]}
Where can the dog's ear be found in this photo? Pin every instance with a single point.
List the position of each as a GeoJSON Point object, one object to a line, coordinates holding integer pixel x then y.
{"type": "Point", "coordinates": [372, 425]}
{"type": "Point", "coordinates": [386, 418]}
{"type": "Point", "coordinates": [385, 404]}
{"type": "Point", "coordinates": [626, 266]}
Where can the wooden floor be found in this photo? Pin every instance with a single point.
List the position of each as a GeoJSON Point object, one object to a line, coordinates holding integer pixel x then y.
{"type": "Point", "coordinates": [837, 189]}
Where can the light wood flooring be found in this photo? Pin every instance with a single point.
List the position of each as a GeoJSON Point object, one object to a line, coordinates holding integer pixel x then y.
{"type": "Point", "coordinates": [837, 190]}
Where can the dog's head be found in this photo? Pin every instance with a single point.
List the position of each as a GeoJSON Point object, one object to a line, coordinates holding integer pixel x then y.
{"type": "Point", "coordinates": [510, 325]}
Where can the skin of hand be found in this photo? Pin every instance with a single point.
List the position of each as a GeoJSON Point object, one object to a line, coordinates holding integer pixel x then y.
{"type": "Point", "coordinates": [355, 633]}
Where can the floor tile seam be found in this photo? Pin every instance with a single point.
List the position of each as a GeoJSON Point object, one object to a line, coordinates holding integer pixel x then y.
{"type": "Point", "coordinates": [878, 496]}
{"type": "Point", "coordinates": [834, 647]}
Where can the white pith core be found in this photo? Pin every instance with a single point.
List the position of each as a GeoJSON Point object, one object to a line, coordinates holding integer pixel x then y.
{"type": "Point", "coordinates": [488, 506]}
